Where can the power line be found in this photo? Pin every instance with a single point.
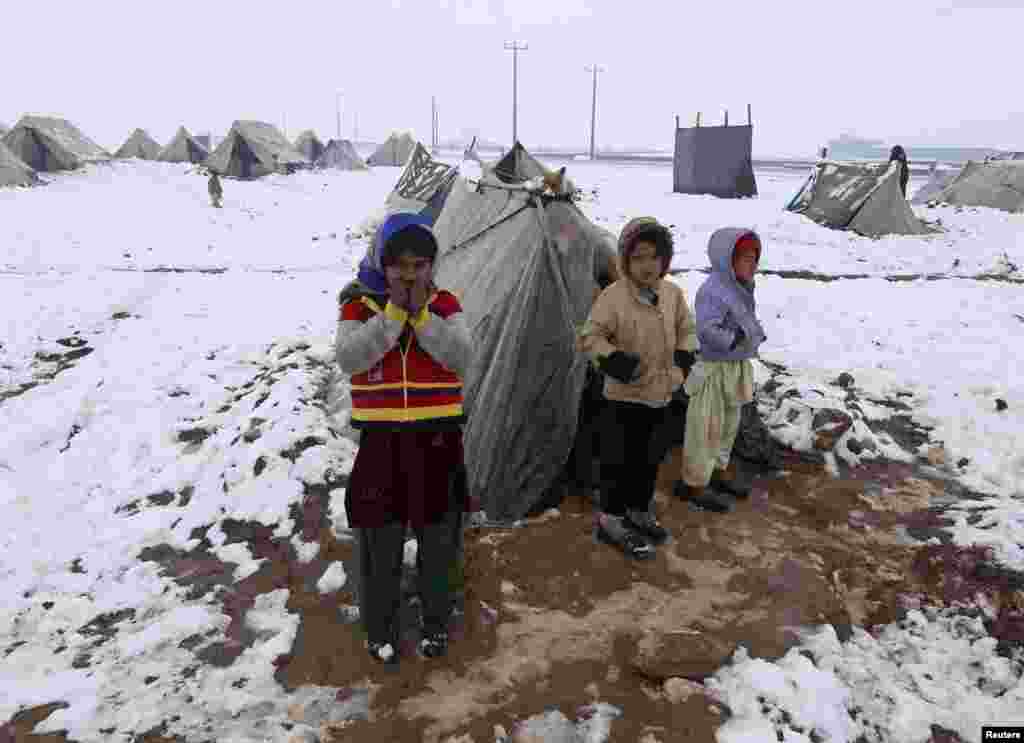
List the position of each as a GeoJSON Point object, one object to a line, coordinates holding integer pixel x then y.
{"type": "Point", "coordinates": [593, 106]}
{"type": "Point", "coordinates": [515, 48]}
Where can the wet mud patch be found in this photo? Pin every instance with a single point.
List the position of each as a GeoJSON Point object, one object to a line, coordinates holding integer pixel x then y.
{"type": "Point", "coordinates": [19, 728]}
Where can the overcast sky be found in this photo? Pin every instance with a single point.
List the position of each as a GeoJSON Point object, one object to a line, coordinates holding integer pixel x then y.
{"type": "Point", "coordinates": [914, 71]}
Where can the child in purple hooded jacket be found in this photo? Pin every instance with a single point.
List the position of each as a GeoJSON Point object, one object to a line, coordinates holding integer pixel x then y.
{"type": "Point", "coordinates": [722, 381]}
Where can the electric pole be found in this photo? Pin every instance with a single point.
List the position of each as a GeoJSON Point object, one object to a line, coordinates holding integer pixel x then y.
{"type": "Point", "coordinates": [337, 112]}
{"type": "Point", "coordinates": [593, 107]}
{"type": "Point", "coordinates": [515, 48]}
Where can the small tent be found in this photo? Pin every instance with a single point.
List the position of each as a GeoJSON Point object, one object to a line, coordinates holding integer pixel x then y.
{"type": "Point", "coordinates": [937, 181]}
{"type": "Point", "coordinates": [395, 151]}
{"type": "Point", "coordinates": [253, 149]}
{"type": "Point", "coordinates": [4, 129]}
{"type": "Point", "coordinates": [341, 155]}
{"type": "Point", "coordinates": [47, 144]}
{"type": "Point", "coordinates": [14, 172]}
{"type": "Point", "coordinates": [517, 165]}
{"type": "Point", "coordinates": [714, 160]}
{"type": "Point", "coordinates": [309, 145]}
{"type": "Point", "coordinates": [139, 145]}
{"type": "Point", "coordinates": [183, 149]}
{"type": "Point", "coordinates": [998, 184]}
{"type": "Point", "coordinates": [861, 197]}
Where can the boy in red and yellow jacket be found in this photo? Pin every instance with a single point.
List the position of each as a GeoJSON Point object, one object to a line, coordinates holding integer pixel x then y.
{"type": "Point", "coordinates": [406, 346]}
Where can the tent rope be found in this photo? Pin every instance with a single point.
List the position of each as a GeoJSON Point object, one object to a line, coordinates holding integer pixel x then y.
{"type": "Point", "coordinates": [529, 205]}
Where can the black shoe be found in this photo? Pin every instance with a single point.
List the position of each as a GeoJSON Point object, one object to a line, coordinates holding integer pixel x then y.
{"type": "Point", "coordinates": [645, 523]}
{"type": "Point", "coordinates": [631, 543]}
{"type": "Point", "coordinates": [434, 645]}
{"type": "Point", "coordinates": [383, 652]}
{"type": "Point", "coordinates": [706, 498]}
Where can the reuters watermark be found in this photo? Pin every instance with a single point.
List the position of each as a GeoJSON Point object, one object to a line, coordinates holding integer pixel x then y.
{"type": "Point", "coordinates": [1002, 732]}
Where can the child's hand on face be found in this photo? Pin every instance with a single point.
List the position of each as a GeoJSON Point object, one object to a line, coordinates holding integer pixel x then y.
{"type": "Point", "coordinates": [419, 295]}
{"type": "Point", "coordinates": [398, 290]}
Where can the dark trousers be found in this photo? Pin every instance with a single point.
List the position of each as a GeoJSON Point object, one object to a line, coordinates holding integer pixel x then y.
{"type": "Point", "coordinates": [630, 455]}
{"type": "Point", "coordinates": [381, 550]}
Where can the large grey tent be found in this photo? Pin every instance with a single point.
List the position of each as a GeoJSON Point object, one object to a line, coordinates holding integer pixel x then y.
{"type": "Point", "coordinates": [395, 151]}
{"type": "Point", "coordinates": [937, 181]}
{"type": "Point", "coordinates": [14, 172]}
{"type": "Point", "coordinates": [340, 154]}
{"type": "Point", "coordinates": [139, 145]}
{"type": "Point", "coordinates": [183, 149]}
{"type": "Point", "coordinates": [253, 149]}
{"type": "Point", "coordinates": [309, 145]}
{"type": "Point", "coordinates": [861, 197]}
{"type": "Point", "coordinates": [714, 160]}
{"type": "Point", "coordinates": [47, 144]}
{"type": "Point", "coordinates": [524, 267]}
{"type": "Point", "coordinates": [998, 184]}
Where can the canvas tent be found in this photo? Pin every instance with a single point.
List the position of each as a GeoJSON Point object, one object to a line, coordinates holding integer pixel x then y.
{"type": "Point", "coordinates": [714, 160]}
{"type": "Point", "coordinates": [14, 172]}
{"type": "Point", "coordinates": [139, 145]}
{"type": "Point", "coordinates": [937, 181]}
{"type": "Point", "coordinates": [524, 267]}
{"type": "Point", "coordinates": [517, 165]}
{"type": "Point", "coordinates": [998, 184]}
{"type": "Point", "coordinates": [395, 151]}
{"type": "Point", "coordinates": [183, 149]}
{"type": "Point", "coordinates": [309, 145]}
{"type": "Point", "coordinates": [861, 197]}
{"type": "Point", "coordinates": [47, 144]}
{"type": "Point", "coordinates": [253, 149]}
{"type": "Point", "coordinates": [341, 155]}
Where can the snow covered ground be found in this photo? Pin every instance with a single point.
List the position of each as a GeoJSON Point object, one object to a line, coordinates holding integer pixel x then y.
{"type": "Point", "coordinates": [127, 393]}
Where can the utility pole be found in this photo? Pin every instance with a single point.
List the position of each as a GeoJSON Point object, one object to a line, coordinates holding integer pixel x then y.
{"type": "Point", "coordinates": [337, 111]}
{"type": "Point", "coordinates": [593, 107]}
{"type": "Point", "coordinates": [515, 48]}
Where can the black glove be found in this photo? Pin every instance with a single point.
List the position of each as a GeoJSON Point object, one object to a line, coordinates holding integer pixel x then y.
{"type": "Point", "coordinates": [740, 337]}
{"type": "Point", "coordinates": [685, 360]}
{"type": "Point", "coordinates": [620, 365]}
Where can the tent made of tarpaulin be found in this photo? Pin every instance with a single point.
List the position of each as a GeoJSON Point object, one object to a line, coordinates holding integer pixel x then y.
{"type": "Point", "coordinates": [14, 172]}
{"type": "Point", "coordinates": [423, 186]}
{"type": "Point", "coordinates": [524, 268]}
{"type": "Point", "coordinates": [861, 197]}
{"type": "Point", "coordinates": [517, 165]}
{"type": "Point", "coordinates": [183, 149]}
{"type": "Point", "coordinates": [340, 154]}
{"type": "Point", "coordinates": [309, 145]}
{"type": "Point", "coordinates": [997, 184]}
{"type": "Point", "coordinates": [714, 160]}
{"type": "Point", "coordinates": [937, 181]}
{"type": "Point", "coordinates": [139, 145]}
{"type": "Point", "coordinates": [395, 151]}
{"type": "Point", "coordinates": [253, 149]}
{"type": "Point", "coordinates": [47, 144]}
{"type": "Point", "coordinates": [4, 129]}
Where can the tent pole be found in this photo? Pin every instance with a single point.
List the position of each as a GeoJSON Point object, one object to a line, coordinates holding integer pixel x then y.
{"type": "Point", "coordinates": [750, 120]}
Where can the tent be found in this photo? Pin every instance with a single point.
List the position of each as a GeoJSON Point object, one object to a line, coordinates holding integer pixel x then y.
{"type": "Point", "coordinates": [998, 184]}
{"type": "Point", "coordinates": [14, 172]}
{"type": "Point", "coordinates": [342, 155]}
{"type": "Point", "coordinates": [4, 129]}
{"type": "Point", "coordinates": [253, 149]}
{"type": "Point", "coordinates": [860, 197]}
{"type": "Point", "coordinates": [524, 267]}
{"type": "Point", "coordinates": [47, 144]}
{"type": "Point", "coordinates": [937, 181]}
{"type": "Point", "coordinates": [183, 149]}
{"type": "Point", "coordinates": [139, 145]}
{"type": "Point", "coordinates": [517, 165]}
{"type": "Point", "coordinates": [203, 140]}
{"type": "Point", "coordinates": [395, 151]}
{"type": "Point", "coordinates": [714, 160]}
{"type": "Point", "coordinates": [309, 145]}
{"type": "Point", "coordinates": [423, 186]}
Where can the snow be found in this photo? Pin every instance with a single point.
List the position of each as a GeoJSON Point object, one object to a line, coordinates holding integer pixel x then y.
{"type": "Point", "coordinates": [194, 381]}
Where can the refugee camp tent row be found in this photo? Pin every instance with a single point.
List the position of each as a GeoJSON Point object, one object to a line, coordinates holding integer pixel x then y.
{"type": "Point", "coordinates": [340, 154]}
{"type": "Point", "coordinates": [48, 144]}
{"type": "Point", "coordinates": [183, 149]}
{"type": "Point", "coordinates": [395, 151]}
{"type": "Point", "coordinates": [139, 145]}
{"type": "Point", "coordinates": [253, 149]}
{"type": "Point", "coordinates": [524, 266]}
{"type": "Point", "coordinates": [13, 171]}
{"type": "Point", "coordinates": [309, 145]}
{"type": "Point", "coordinates": [714, 160]}
{"type": "Point", "coordinates": [997, 184]}
{"type": "Point", "coordinates": [861, 197]}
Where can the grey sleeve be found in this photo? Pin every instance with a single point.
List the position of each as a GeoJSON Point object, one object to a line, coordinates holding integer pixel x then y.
{"type": "Point", "coordinates": [448, 341]}
{"type": "Point", "coordinates": [360, 345]}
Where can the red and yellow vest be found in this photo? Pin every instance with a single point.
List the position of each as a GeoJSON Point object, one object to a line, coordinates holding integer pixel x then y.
{"type": "Point", "coordinates": [408, 388]}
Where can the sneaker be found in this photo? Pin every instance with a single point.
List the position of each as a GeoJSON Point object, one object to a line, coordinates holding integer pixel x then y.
{"type": "Point", "coordinates": [611, 530]}
{"type": "Point", "coordinates": [706, 498]}
{"type": "Point", "coordinates": [646, 523]}
{"type": "Point", "coordinates": [383, 652]}
{"type": "Point", "coordinates": [434, 645]}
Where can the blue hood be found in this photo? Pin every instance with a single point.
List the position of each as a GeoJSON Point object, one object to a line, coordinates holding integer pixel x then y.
{"type": "Point", "coordinates": [371, 268]}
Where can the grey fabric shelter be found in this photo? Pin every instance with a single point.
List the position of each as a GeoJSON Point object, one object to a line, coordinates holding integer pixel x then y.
{"type": "Point", "coordinates": [253, 149]}
{"type": "Point", "coordinates": [395, 151]}
{"type": "Point", "coordinates": [203, 140]}
{"type": "Point", "coordinates": [517, 165]}
{"type": "Point", "coordinates": [47, 144]}
{"type": "Point", "coordinates": [998, 184]}
{"type": "Point", "coordinates": [309, 145]}
{"type": "Point", "coordinates": [524, 267]}
{"type": "Point", "coordinates": [14, 172]}
{"type": "Point", "coordinates": [937, 181]}
{"type": "Point", "coordinates": [183, 149]}
{"type": "Point", "coordinates": [862, 197]}
{"type": "Point", "coordinates": [139, 145]}
{"type": "Point", "coordinates": [714, 160]}
{"type": "Point", "coordinates": [4, 129]}
{"type": "Point", "coordinates": [340, 154]}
